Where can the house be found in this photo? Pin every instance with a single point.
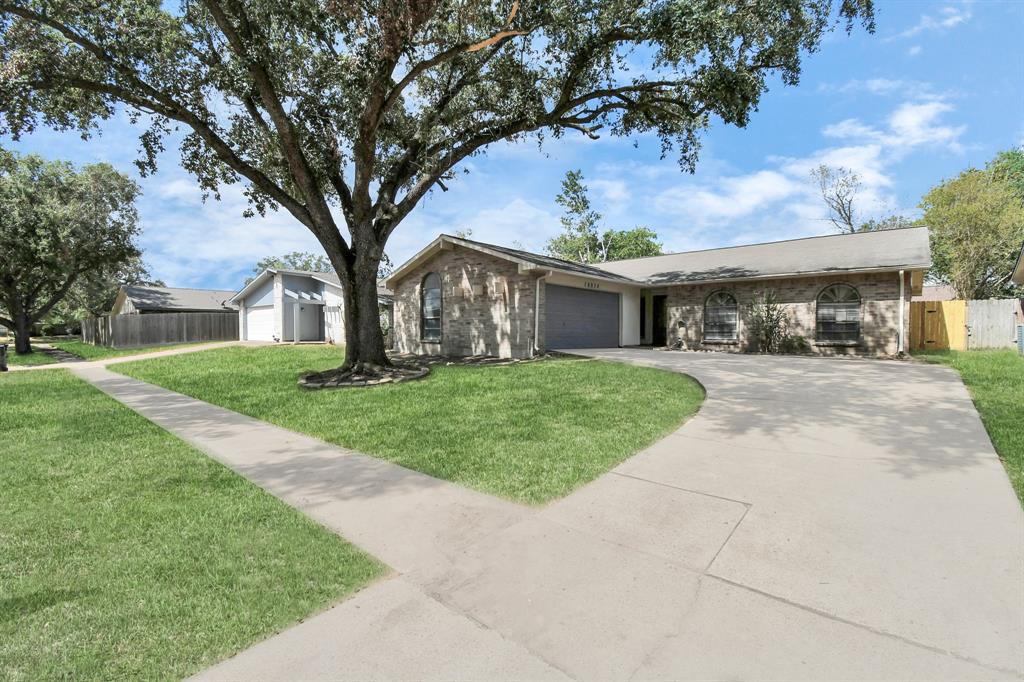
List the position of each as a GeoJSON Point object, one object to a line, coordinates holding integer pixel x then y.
{"type": "Point", "coordinates": [936, 292]}
{"type": "Point", "coordinates": [137, 299]}
{"type": "Point", "coordinates": [295, 305]}
{"type": "Point", "coordinates": [1017, 276]}
{"type": "Point", "coordinates": [844, 293]}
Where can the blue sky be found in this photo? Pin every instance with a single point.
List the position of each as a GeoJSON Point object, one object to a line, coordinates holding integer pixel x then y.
{"type": "Point", "coordinates": [939, 87]}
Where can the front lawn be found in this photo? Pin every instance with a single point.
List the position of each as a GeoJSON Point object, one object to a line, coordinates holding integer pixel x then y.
{"type": "Point", "coordinates": [28, 359]}
{"type": "Point", "coordinates": [531, 432]}
{"type": "Point", "coordinates": [995, 379]}
{"type": "Point", "coordinates": [86, 351]}
{"type": "Point", "coordinates": [127, 554]}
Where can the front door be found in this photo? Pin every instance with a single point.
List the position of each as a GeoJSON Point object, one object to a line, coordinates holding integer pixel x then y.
{"type": "Point", "coordinates": [659, 322]}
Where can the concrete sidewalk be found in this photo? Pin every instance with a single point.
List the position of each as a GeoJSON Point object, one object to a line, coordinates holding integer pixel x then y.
{"type": "Point", "coordinates": [813, 521]}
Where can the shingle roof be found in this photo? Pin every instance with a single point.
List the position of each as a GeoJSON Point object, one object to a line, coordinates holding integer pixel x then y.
{"type": "Point", "coordinates": [887, 249]}
{"type": "Point", "coordinates": [172, 299]}
{"type": "Point", "coordinates": [547, 261]}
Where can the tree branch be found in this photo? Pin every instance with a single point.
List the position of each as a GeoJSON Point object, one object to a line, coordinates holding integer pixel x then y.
{"type": "Point", "coordinates": [290, 145]}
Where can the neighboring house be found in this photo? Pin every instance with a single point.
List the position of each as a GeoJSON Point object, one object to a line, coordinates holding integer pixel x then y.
{"type": "Point", "coordinates": [1018, 271]}
{"type": "Point", "coordinates": [936, 292]}
{"type": "Point", "coordinates": [137, 299]}
{"type": "Point", "coordinates": [843, 293]}
{"type": "Point", "coordinates": [290, 305]}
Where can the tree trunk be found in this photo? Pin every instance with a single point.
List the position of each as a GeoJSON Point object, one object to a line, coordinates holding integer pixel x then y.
{"type": "Point", "coordinates": [22, 333]}
{"type": "Point", "coordinates": [364, 338]}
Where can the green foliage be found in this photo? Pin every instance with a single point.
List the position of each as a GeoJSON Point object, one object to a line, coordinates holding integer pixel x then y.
{"type": "Point", "coordinates": [367, 106]}
{"type": "Point", "coordinates": [977, 227]}
{"type": "Point", "coordinates": [891, 222]}
{"type": "Point", "coordinates": [296, 260]}
{"type": "Point", "coordinates": [794, 344]}
{"type": "Point", "coordinates": [94, 292]}
{"type": "Point", "coordinates": [128, 554]}
{"type": "Point", "coordinates": [531, 432]}
{"type": "Point", "coordinates": [639, 242]}
{"type": "Point", "coordinates": [769, 322]}
{"type": "Point", "coordinates": [57, 225]}
{"type": "Point", "coordinates": [1008, 166]}
{"type": "Point", "coordinates": [580, 240]}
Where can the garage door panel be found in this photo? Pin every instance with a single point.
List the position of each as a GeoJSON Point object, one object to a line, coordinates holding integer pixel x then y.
{"type": "Point", "coordinates": [580, 318]}
{"type": "Point", "coordinates": [259, 323]}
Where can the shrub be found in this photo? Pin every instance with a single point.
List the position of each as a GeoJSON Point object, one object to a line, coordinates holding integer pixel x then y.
{"type": "Point", "coordinates": [768, 322]}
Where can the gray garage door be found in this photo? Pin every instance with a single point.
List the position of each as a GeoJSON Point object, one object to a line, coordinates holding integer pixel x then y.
{"type": "Point", "coordinates": [580, 318]}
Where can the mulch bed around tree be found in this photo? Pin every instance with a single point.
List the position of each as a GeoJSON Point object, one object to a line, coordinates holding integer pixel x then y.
{"type": "Point", "coordinates": [404, 367]}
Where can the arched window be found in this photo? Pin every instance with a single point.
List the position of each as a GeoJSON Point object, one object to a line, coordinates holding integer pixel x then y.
{"type": "Point", "coordinates": [721, 317]}
{"type": "Point", "coordinates": [838, 313]}
{"type": "Point", "coordinates": [430, 308]}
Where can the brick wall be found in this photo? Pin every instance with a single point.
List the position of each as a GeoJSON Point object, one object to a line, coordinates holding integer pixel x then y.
{"type": "Point", "coordinates": [879, 311]}
{"type": "Point", "coordinates": [487, 306]}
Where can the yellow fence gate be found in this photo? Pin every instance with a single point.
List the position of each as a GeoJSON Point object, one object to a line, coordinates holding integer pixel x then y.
{"type": "Point", "coordinates": [938, 325]}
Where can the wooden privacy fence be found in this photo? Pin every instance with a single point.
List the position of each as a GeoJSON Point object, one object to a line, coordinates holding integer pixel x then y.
{"type": "Point", "coordinates": [130, 331]}
{"type": "Point", "coordinates": [963, 325]}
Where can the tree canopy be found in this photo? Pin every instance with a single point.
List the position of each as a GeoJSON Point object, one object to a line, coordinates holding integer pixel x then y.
{"type": "Point", "coordinates": [296, 260]}
{"type": "Point", "coordinates": [582, 242]}
{"type": "Point", "coordinates": [56, 224]}
{"type": "Point", "coordinates": [93, 293]}
{"type": "Point", "coordinates": [367, 106]}
{"type": "Point", "coordinates": [977, 228]}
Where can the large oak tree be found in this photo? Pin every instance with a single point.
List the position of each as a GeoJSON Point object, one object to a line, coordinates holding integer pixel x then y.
{"type": "Point", "coordinates": [345, 113]}
{"type": "Point", "coordinates": [58, 226]}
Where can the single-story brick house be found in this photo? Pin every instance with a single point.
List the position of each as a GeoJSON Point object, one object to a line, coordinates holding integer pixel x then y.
{"type": "Point", "coordinates": [845, 293]}
{"type": "Point", "coordinates": [294, 305]}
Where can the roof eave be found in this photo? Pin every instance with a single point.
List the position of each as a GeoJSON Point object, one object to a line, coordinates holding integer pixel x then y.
{"type": "Point", "coordinates": [1018, 270]}
{"type": "Point", "coordinates": [259, 279]}
{"type": "Point", "coordinates": [792, 275]}
{"type": "Point", "coordinates": [440, 244]}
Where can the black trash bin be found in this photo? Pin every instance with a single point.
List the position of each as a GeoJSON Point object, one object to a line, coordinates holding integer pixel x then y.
{"type": "Point", "coordinates": [3, 357]}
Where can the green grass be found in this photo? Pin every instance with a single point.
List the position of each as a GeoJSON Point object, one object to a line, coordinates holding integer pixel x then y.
{"type": "Point", "coordinates": [531, 432]}
{"type": "Point", "coordinates": [29, 359]}
{"type": "Point", "coordinates": [85, 351]}
{"type": "Point", "coordinates": [91, 352]}
{"type": "Point", "coordinates": [127, 554]}
{"type": "Point", "coordinates": [995, 379]}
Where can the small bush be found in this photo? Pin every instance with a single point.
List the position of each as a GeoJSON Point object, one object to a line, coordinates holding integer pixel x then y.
{"type": "Point", "coordinates": [795, 343]}
{"type": "Point", "coordinates": [768, 322]}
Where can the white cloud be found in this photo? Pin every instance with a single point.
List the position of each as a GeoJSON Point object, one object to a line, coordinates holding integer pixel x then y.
{"type": "Point", "coordinates": [914, 50]}
{"type": "Point", "coordinates": [912, 124]}
{"type": "Point", "coordinates": [517, 219]}
{"type": "Point", "coordinates": [733, 197]}
{"type": "Point", "coordinates": [612, 191]}
{"type": "Point", "coordinates": [186, 241]}
{"type": "Point", "coordinates": [781, 200]}
{"type": "Point", "coordinates": [947, 17]}
{"type": "Point", "coordinates": [883, 87]}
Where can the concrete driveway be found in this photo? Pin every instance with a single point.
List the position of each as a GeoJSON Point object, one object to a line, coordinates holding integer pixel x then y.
{"type": "Point", "coordinates": [865, 493]}
{"type": "Point", "coordinates": [818, 519]}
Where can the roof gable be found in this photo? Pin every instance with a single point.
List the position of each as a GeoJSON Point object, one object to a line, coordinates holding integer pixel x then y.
{"type": "Point", "coordinates": [525, 259]}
